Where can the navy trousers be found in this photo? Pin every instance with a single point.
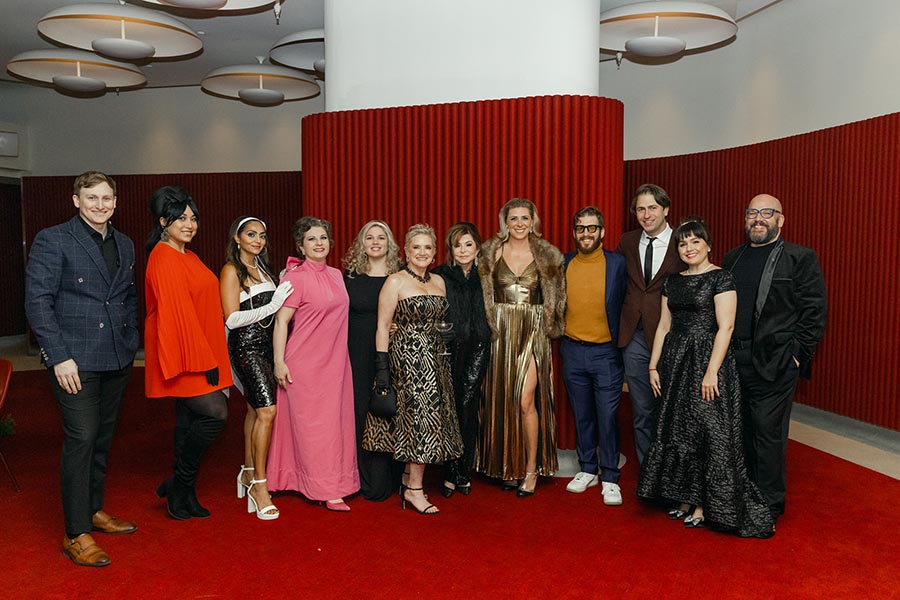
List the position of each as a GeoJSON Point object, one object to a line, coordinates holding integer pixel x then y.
{"type": "Point", "coordinates": [593, 375]}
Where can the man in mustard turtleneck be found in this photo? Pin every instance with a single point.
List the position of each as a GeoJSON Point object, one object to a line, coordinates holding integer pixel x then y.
{"type": "Point", "coordinates": [592, 361]}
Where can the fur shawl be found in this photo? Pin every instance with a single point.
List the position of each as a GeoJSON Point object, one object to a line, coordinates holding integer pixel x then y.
{"type": "Point", "coordinates": [549, 262]}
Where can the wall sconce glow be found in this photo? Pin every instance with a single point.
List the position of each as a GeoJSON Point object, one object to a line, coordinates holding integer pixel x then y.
{"type": "Point", "coordinates": [665, 28]}
{"type": "Point", "coordinates": [260, 85]}
{"type": "Point", "coordinates": [75, 70]}
{"type": "Point", "coordinates": [120, 31]}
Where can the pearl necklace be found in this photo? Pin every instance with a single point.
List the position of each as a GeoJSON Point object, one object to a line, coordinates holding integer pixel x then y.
{"type": "Point", "coordinates": [708, 267]}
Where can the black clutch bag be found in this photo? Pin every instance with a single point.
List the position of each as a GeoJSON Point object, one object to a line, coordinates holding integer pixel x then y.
{"type": "Point", "coordinates": [383, 402]}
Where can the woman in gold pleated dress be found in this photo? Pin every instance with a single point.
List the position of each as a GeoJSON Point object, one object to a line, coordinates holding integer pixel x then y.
{"type": "Point", "coordinates": [525, 298]}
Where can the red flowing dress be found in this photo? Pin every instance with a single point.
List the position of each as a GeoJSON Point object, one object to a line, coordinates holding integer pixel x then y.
{"type": "Point", "coordinates": [184, 332]}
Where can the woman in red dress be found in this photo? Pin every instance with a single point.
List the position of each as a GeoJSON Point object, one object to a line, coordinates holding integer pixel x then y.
{"type": "Point", "coordinates": [184, 343]}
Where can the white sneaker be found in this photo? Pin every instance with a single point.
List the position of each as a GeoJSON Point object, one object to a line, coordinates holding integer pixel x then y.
{"type": "Point", "coordinates": [581, 482]}
{"type": "Point", "coordinates": [612, 494]}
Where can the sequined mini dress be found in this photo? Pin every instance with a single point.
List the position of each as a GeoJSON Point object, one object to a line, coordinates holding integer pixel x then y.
{"type": "Point", "coordinates": [250, 348]}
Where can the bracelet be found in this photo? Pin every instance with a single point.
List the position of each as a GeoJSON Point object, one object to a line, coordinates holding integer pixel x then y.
{"type": "Point", "coordinates": [651, 369]}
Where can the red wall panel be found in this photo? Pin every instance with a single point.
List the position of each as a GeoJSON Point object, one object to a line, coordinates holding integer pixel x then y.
{"type": "Point", "coordinates": [838, 187]}
{"type": "Point", "coordinates": [221, 197]}
{"type": "Point", "coordinates": [449, 162]}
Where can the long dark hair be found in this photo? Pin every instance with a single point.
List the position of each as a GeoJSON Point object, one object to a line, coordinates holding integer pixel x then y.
{"type": "Point", "coordinates": [233, 252]}
{"type": "Point", "coordinates": [169, 203]}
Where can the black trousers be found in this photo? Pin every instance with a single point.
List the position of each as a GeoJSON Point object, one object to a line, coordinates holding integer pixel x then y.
{"type": "Point", "coordinates": [89, 421]}
{"type": "Point", "coordinates": [767, 418]}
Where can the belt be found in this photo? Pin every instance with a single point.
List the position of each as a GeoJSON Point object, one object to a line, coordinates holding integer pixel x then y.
{"type": "Point", "coordinates": [741, 344]}
{"type": "Point", "coordinates": [580, 343]}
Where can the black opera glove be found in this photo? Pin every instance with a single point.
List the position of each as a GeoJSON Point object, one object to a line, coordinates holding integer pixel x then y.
{"type": "Point", "coordinates": [382, 371]}
{"type": "Point", "coordinates": [212, 376]}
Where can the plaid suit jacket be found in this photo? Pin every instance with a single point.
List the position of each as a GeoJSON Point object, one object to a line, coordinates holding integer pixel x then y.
{"type": "Point", "coordinates": [75, 307]}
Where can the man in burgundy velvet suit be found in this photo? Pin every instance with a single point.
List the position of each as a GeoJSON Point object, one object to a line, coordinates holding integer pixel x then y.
{"type": "Point", "coordinates": [781, 313]}
{"type": "Point", "coordinates": [650, 254]}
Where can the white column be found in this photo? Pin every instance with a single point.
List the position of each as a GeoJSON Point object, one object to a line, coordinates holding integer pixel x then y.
{"type": "Point", "coordinates": [403, 52]}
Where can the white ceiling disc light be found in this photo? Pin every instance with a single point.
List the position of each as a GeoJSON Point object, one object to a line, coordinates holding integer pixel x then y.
{"type": "Point", "coordinates": [213, 4]}
{"type": "Point", "coordinates": [120, 31]}
{"type": "Point", "coordinates": [656, 29]}
{"type": "Point", "coordinates": [263, 85]}
{"type": "Point", "coordinates": [304, 50]}
{"type": "Point", "coordinates": [75, 70]}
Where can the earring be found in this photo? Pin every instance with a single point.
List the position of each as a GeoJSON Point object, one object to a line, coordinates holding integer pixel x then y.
{"type": "Point", "coordinates": [164, 236]}
{"type": "Point", "coordinates": [433, 259]}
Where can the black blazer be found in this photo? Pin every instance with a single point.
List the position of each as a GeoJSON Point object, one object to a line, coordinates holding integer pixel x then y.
{"type": "Point", "coordinates": [791, 308]}
{"type": "Point", "coordinates": [74, 306]}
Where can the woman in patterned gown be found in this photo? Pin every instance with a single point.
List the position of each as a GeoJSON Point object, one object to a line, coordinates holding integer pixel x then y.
{"type": "Point", "coordinates": [249, 301]}
{"type": "Point", "coordinates": [525, 299]}
{"type": "Point", "coordinates": [697, 456]}
{"type": "Point", "coordinates": [373, 256]}
{"type": "Point", "coordinates": [425, 429]}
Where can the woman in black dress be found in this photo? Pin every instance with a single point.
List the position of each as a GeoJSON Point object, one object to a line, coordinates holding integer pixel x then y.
{"type": "Point", "coordinates": [470, 347]}
{"type": "Point", "coordinates": [373, 256]}
{"type": "Point", "coordinates": [250, 301]}
{"type": "Point", "coordinates": [696, 459]}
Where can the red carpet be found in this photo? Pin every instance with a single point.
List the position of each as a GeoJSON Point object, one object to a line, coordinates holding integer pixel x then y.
{"type": "Point", "coordinates": [839, 540]}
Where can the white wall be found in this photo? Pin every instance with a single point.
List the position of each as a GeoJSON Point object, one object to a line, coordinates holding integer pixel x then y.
{"type": "Point", "coordinates": [795, 67]}
{"type": "Point", "coordinates": [153, 131]}
{"type": "Point", "coordinates": [407, 52]}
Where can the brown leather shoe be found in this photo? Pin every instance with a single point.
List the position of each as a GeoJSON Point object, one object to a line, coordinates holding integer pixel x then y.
{"type": "Point", "coordinates": [107, 524]}
{"type": "Point", "coordinates": [84, 551]}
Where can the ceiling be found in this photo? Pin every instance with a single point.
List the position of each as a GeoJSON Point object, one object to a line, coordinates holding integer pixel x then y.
{"type": "Point", "coordinates": [229, 37]}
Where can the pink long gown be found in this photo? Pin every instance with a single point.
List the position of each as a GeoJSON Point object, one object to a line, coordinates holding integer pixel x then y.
{"type": "Point", "coordinates": [313, 447]}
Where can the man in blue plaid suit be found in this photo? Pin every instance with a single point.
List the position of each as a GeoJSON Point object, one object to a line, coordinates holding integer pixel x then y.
{"type": "Point", "coordinates": [81, 305]}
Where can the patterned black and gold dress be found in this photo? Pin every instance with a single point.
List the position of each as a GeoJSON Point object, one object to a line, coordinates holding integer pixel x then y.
{"type": "Point", "coordinates": [518, 315]}
{"type": "Point", "coordinates": [425, 429]}
{"type": "Point", "coordinates": [697, 454]}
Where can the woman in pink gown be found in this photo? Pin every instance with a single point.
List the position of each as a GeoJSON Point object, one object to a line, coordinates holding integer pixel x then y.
{"type": "Point", "coordinates": [314, 438]}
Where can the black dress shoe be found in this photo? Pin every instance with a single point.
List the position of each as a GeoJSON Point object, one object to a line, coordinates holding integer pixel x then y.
{"type": "Point", "coordinates": [509, 485]}
{"type": "Point", "coordinates": [694, 522]}
{"type": "Point", "coordinates": [446, 490]}
{"type": "Point", "coordinates": [464, 488]}
{"type": "Point", "coordinates": [676, 514]}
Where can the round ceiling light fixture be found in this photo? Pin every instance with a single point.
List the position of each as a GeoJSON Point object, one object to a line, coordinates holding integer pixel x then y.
{"type": "Point", "coordinates": [120, 31]}
{"type": "Point", "coordinates": [75, 70]}
{"type": "Point", "coordinates": [260, 85]}
{"type": "Point", "coordinates": [665, 28]}
{"type": "Point", "coordinates": [304, 50]}
{"type": "Point", "coordinates": [213, 4]}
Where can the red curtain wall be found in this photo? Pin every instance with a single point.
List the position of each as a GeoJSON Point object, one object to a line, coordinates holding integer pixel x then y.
{"type": "Point", "coordinates": [221, 197]}
{"type": "Point", "coordinates": [449, 162]}
{"type": "Point", "coordinates": [838, 187]}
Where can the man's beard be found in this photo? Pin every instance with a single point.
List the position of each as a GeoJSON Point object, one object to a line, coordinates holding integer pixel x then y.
{"type": "Point", "coordinates": [593, 246]}
{"type": "Point", "coordinates": [770, 234]}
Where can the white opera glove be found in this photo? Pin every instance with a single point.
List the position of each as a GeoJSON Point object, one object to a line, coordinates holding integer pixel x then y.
{"type": "Point", "coordinates": [242, 318]}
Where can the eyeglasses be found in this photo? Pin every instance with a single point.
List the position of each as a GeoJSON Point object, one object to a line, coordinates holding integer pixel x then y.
{"type": "Point", "coordinates": [765, 213]}
{"type": "Point", "coordinates": [588, 228]}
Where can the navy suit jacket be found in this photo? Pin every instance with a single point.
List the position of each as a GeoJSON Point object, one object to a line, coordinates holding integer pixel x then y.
{"type": "Point", "coordinates": [75, 307]}
{"type": "Point", "coordinates": [615, 288]}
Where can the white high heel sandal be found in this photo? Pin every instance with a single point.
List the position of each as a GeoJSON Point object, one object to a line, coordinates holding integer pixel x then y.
{"type": "Point", "coordinates": [252, 506]}
{"type": "Point", "coordinates": [241, 486]}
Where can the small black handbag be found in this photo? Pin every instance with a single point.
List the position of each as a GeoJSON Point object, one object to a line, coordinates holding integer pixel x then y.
{"type": "Point", "coordinates": [383, 402]}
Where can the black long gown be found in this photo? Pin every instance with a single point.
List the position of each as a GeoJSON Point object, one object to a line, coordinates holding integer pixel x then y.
{"type": "Point", "coordinates": [697, 454]}
{"type": "Point", "coordinates": [470, 350]}
{"type": "Point", "coordinates": [379, 473]}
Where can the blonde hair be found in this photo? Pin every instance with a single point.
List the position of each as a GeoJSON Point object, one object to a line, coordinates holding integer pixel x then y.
{"type": "Point", "coordinates": [356, 260]}
{"type": "Point", "coordinates": [518, 203]}
{"type": "Point", "coordinates": [419, 229]}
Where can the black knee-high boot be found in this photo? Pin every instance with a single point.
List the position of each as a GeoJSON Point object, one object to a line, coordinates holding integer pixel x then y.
{"type": "Point", "coordinates": [183, 498]}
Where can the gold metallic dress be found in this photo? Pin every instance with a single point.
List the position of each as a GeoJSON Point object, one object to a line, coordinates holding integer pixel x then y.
{"type": "Point", "coordinates": [518, 315]}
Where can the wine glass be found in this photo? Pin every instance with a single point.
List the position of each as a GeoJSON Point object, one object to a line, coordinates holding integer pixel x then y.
{"type": "Point", "coordinates": [444, 327]}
